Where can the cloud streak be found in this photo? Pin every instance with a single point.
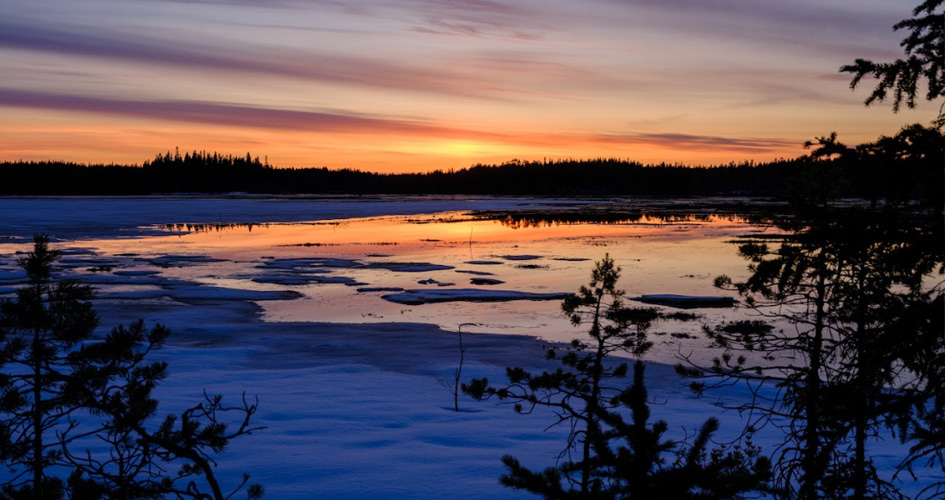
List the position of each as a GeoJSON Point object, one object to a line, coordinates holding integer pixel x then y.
{"type": "Point", "coordinates": [304, 65]}
{"type": "Point", "coordinates": [216, 114]}
{"type": "Point", "coordinates": [815, 27]}
{"type": "Point", "coordinates": [322, 122]}
{"type": "Point", "coordinates": [748, 145]}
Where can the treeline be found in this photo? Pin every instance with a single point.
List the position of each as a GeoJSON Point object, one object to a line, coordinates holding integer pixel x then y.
{"type": "Point", "coordinates": [916, 149]}
{"type": "Point", "coordinates": [216, 174]}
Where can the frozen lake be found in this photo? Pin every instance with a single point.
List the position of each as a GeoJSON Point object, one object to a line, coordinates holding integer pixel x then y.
{"type": "Point", "coordinates": [373, 260]}
{"type": "Point", "coordinates": [320, 308]}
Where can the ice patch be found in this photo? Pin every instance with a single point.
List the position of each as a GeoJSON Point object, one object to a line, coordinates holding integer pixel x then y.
{"type": "Point", "coordinates": [407, 267]}
{"type": "Point", "coordinates": [520, 257]}
{"type": "Point", "coordinates": [475, 273]}
{"type": "Point", "coordinates": [200, 293]}
{"type": "Point", "coordinates": [140, 272]}
{"type": "Point", "coordinates": [309, 263]}
{"type": "Point", "coordinates": [307, 279]}
{"type": "Point", "coordinates": [428, 296]}
{"type": "Point", "coordinates": [181, 260]}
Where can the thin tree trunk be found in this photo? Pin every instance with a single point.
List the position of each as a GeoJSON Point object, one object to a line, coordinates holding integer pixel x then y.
{"type": "Point", "coordinates": [862, 393]}
{"type": "Point", "coordinates": [592, 430]}
{"type": "Point", "coordinates": [812, 472]}
{"type": "Point", "coordinates": [37, 418]}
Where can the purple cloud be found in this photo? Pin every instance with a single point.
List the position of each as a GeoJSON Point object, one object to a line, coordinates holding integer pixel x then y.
{"type": "Point", "coordinates": [222, 114]}
{"type": "Point", "coordinates": [818, 28]}
{"type": "Point", "coordinates": [217, 113]}
{"type": "Point", "coordinates": [306, 65]}
{"type": "Point", "coordinates": [701, 142]}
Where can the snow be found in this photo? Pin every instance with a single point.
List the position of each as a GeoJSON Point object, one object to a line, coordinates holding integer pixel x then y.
{"type": "Point", "coordinates": [307, 279]}
{"type": "Point", "coordinates": [475, 273]}
{"type": "Point", "coordinates": [142, 272]}
{"type": "Point", "coordinates": [520, 257]}
{"type": "Point", "coordinates": [368, 289]}
{"type": "Point", "coordinates": [427, 296]}
{"type": "Point", "coordinates": [206, 293]}
{"type": "Point", "coordinates": [407, 267]}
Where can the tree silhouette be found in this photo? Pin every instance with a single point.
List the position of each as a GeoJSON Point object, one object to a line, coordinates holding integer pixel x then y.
{"type": "Point", "coordinates": [846, 286]}
{"type": "Point", "coordinates": [63, 393]}
{"type": "Point", "coordinates": [925, 59]}
{"type": "Point", "coordinates": [41, 336]}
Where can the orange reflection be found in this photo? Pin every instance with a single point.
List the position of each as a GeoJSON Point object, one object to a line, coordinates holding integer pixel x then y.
{"type": "Point", "coordinates": [441, 230]}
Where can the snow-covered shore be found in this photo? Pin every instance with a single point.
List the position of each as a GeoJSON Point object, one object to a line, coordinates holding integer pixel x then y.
{"type": "Point", "coordinates": [358, 410]}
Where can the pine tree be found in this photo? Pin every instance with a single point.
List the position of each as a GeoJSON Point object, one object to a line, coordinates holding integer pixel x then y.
{"type": "Point", "coordinates": [63, 391]}
{"type": "Point", "coordinates": [41, 336]}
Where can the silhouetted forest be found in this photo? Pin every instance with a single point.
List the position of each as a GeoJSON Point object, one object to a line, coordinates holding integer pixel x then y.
{"type": "Point", "coordinates": [916, 150]}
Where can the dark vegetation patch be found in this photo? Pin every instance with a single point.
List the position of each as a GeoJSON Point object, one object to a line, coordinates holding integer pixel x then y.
{"type": "Point", "coordinates": [308, 244]}
{"type": "Point", "coordinates": [206, 227]}
{"type": "Point", "coordinates": [747, 327]}
{"type": "Point", "coordinates": [680, 316]}
{"type": "Point", "coordinates": [485, 281]}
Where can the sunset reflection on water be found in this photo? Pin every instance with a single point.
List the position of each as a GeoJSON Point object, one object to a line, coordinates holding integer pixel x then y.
{"type": "Point", "coordinates": [535, 251]}
{"type": "Point", "coordinates": [658, 253]}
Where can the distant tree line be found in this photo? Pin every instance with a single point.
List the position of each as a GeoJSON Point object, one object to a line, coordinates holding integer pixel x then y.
{"type": "Point", "coordinates": [213, 173]}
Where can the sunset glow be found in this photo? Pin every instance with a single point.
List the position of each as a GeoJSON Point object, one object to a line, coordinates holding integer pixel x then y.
{"type": "Point", "coordinates": [418, 85]}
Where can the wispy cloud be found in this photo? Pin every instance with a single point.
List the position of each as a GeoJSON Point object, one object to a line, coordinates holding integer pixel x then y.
{"type": "Point", "coordinates": [479, 18]}
{"type": "Point", "coordinates": [745, 145]}
{"type": "Point", "coordinates": [308, 65]}
{"type": "Point", "coordinates": [815, 27]}
{"type": "Point", "coordinates": [334, 122]}
{"type": "Point", "coordinates": [217, 114]}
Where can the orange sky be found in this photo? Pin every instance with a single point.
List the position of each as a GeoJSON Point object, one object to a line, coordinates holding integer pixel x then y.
{"type": "Point", "coordinates": [416, 85]}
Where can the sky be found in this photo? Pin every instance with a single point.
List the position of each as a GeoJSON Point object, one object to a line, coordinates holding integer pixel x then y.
{"type": "Point", "coordinates": [418, 85]}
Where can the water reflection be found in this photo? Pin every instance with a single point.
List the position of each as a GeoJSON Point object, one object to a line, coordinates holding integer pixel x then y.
{"type": "Point", "coordinates": [212, 227]}
{"type": "Point", "coordinates": [665, 251]}
{"type": "Point", "coordinates": [543, 219]}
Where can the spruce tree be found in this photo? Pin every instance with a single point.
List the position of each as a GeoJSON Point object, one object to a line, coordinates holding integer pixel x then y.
{"type": "Point", "coordinates": [41, 339]}
{"type": "Point", "coordinates": [64, 392]}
